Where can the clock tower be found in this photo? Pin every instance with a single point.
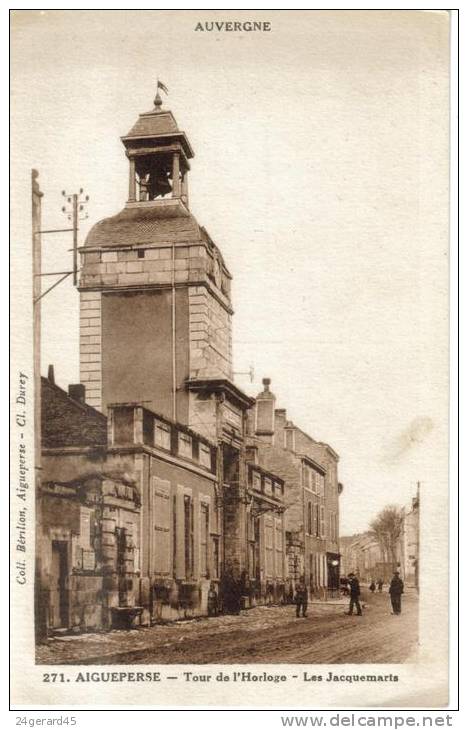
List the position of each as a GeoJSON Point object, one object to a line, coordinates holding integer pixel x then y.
{"type": "Point", "coordinates": [155, 306]}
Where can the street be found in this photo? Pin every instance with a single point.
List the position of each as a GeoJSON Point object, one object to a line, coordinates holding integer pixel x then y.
{"type": "Point", "coordinates": [264, 635]}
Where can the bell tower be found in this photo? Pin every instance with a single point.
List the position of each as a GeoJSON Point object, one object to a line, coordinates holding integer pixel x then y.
{"type": "Point", "coordinates": [159, 156]}
{"type": "Point", "coordinates": [155, 306]}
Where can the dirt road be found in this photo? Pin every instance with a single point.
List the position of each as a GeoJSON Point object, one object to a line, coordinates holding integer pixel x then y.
{"type": "Point", "coordinates": [261, 635]}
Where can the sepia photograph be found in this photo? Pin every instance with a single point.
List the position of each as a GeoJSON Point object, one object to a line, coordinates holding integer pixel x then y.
{"type": "Point", "coordinates": [229, 381]}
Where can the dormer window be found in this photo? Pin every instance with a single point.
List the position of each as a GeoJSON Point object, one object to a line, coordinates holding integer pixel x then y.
{"type": "Point", "coordinates": [162, 434]}
{"type": "Point", "coordinates": [204, 455]}
{"type": "Point", "coordinates": [256, 481]}
{"type": "Point", "coordinates": [185, 445]}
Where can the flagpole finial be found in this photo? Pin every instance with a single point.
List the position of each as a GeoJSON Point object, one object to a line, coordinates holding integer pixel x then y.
{"type": "Point", "coordinates": [157, 98]}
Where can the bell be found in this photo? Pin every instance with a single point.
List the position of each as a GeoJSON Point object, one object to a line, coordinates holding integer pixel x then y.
{"type": "Point", "coordinates": [161, 186]}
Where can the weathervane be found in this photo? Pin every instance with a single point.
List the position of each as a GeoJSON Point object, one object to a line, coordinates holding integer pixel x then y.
{"type": "Point", "coordinates": [157, 98]}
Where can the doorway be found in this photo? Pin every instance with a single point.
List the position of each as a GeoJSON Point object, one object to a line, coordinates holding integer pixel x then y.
{"type": "Point", "coordinates": [58, 585]}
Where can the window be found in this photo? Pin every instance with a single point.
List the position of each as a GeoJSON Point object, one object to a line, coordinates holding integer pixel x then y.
{"type": "Point", "coordinates": [321, 484]}
{"type": "Point", "coordinates": [267, 485]}
{"type": "Point", "coordinates": [333, 526]}
{"type": "Point", "coordinates": [256, 481]}
{"type": "Point", "coordinates": [317, 520]}
{"type": "Point", "coordinates": [215, 543]}
{"type": "Point", "coordinates": [309, 478]}
{"type": "Point", "coordinates": [162, 522]}
{"type": "Point", "coordinates": [188, 536]}
{"type": "Point", "coordinates": [251, 528]}
{"type": "Point", "coordinates": [174, 536]}
{"type": "Point", "coordinates": [185, 445]}
{"type": "Point", "coordinates": [141, 253]}
{"type": "Point", "coordinates": [121, 544]}
{"type": "Point", "coordinates": [86, 556]}
{"type": "Point", "coordinates": [322, 521]}
{"type": "Point", "coordinates": [205, 455]}
{"type": "Point", "coordinates": [269, 547]}
{"type": "Point", "coordinates": [278, 547]}
{"type": "Point", "coordinates": [312, 480]}
{"type": "Point", "coordinates": [312, 569]}
{"type": "Point", "coordinates": [204, 537]}
{"type": "Point", "coordinates": [162, 434]}
{"type": "Point", "coordinates": [309, 518]}
{"type": "Point", "coordinates": [133, 530]}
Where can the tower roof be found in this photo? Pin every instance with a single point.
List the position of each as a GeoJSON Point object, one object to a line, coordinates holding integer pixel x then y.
{"type": "Point", "coordinates": [157, 124]}
{"type": "Point", "coordinates": [153, 124]}
{"type": "Point", "coordinates": [147, 223]}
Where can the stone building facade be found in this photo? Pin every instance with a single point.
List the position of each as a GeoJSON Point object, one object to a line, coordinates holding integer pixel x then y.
{"type": "Point", "coordinates": [409, 553]}
{"type": "Point", "coordinates": [90, 510]}
{"type": "Point", "coordinates": [131, 515]}
{"type": "Point", "coordinates": [156, 432]}
{"type": "Point", "coordinates": [156, 314]}
{"type": "Point", "coordinates": [309, 470]}
{"type": "Point", "coordinates": [363, 554]}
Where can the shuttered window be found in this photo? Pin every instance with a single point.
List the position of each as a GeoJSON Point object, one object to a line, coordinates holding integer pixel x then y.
{"type": "Point", "coordinates": [322, 521]}
{"type": "Point", "coordinates": [162, 526]}
{"type": "Point", "coordinates": [188, 535]}
{"type": "Point", "coordinates": [278, 547]}
{"type": "Point", "coordinates": [204, 537]}
{"type": "Point", "coordinates": [269, 547]}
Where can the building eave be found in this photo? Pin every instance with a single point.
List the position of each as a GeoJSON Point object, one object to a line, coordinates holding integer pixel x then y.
{"type": "Point", "coordinates": [224, 386]}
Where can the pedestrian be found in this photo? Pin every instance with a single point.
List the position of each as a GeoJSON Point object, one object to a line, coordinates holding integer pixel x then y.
{"type": "Point", "coordinates": [300, 599]}
{"type": "Point", "coordinates": [212, 601]}
{"type": "Point", "coordinates": [231, 593]}
{"type": "Point", "coordinates": [354, 593]}
{"type": "Point", "coordinates": [372, 587]}
{"type": "Point", "coordinates": [380, 585]}
{"type": "Point", "coordinates": [395, 590]}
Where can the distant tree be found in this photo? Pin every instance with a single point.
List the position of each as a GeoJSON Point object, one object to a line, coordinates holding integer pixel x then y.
{"type": "Point", "coordinates": [386, 528]}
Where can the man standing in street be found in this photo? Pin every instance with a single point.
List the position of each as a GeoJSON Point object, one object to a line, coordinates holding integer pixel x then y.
{"type": "Point", "coordinates": [395, 590]}
{"type": "Point", "coordinates": [301, 599]}
{"type": "Point", "coordinates": [354, 593]}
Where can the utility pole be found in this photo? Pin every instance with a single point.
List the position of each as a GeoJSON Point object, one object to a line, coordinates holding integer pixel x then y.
{"type": "Point", "coordinates": [42, 589]}
{"type": "Point", "coordinates": [40, 599]}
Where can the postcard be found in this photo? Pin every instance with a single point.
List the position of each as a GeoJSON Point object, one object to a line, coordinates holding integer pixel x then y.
{"type": "Point", "coordinates": [229, 259]}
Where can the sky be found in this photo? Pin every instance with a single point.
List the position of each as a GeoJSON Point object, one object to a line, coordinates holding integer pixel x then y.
{"type": "Point", "coordinates": [320, 171]}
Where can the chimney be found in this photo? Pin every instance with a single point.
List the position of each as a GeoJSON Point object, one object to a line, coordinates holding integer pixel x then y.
{"type": "Point", "coordinates": [265, 413]}
{"type": "Point", "coordinates": [51, 374]}
{"type": "Point", "coordinates": [77, 391]}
